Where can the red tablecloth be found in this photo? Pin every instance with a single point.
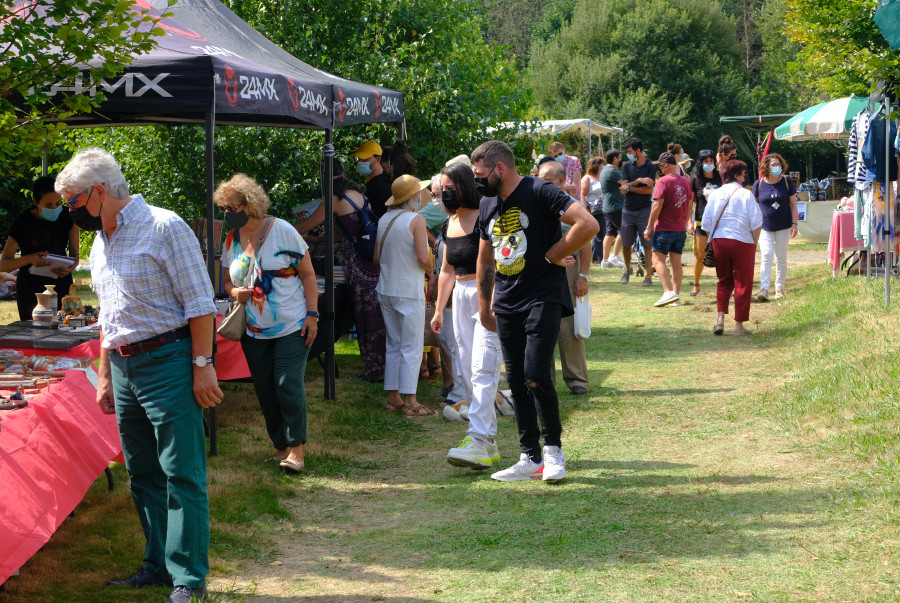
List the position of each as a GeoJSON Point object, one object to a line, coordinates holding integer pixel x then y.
{"type": "Point", "coordinates": [841, 238]}
{"type": "Point", "coordinates": [230, 361]}
{"type": "Point", "coordinates": [50, 453]}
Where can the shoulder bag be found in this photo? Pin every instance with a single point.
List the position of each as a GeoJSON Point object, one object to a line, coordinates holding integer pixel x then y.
{"type": "Point", "coordinates": [234, 324]}
{"type": "Point", "coordinates": [709, 258]}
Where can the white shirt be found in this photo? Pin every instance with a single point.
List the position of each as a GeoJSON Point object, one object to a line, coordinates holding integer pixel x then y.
{"type": "Point", "coordinates": [401, 275]}
{"type": "Point", "coordinates": [740, 218]}
{"type": "Point", "coordinates": [277, 306]}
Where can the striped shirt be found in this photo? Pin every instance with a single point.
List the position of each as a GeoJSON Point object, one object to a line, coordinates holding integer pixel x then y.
{"type": "Point", "coordinates": [149, 276]}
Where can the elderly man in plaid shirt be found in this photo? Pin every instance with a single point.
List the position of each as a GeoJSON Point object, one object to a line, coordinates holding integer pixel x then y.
{"type": "Point", "coordinates": [156, 372]}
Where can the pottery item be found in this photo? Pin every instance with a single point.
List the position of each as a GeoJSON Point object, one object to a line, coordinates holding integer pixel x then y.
{"type": "Point", "coordinates": [42, 314]}
{"type": "Point", "coordinates": [54, 297]}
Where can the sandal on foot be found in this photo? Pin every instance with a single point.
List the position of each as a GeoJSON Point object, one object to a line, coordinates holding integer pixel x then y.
{"type": "Point", "coordinates": [744, 332]}
{"type": "Point", "coordinates": [718, 329]}
{"type": "Point", "coordinates": [696, 290]}
{"type": "Point", "coordinates": [417, 410]}
{"type": "Point", "coordinates": [392, 406]}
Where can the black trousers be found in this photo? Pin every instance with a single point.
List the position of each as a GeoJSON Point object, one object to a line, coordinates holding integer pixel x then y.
{"type": "Point", "coordinates": [528, 340]}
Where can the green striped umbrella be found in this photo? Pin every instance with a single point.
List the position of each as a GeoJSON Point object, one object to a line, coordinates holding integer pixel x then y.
{"type": "Point", "coordinates": [825, 121]}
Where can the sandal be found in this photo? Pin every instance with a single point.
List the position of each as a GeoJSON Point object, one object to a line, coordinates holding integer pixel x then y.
{"type": "Point", "coordinates": [417, 410]}
{"type": "Point", "coordinates": [718, 329]}
{"type": "Point", "coordinates": [392, 406]}
{"type": "Point", "coordinates": [696, 290]}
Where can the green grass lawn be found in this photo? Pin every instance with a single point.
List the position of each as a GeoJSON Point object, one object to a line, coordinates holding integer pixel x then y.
{"type": "Point", "coordinates": [701, 468]}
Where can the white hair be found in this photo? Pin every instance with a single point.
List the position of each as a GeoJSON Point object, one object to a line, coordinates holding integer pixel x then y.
{"type": "Point", "coordinates": [459, 159]}
{"type": "Point", "coordinates": [439, 202]}
{"type": "Point", "coordinates": [89, 167]}
{"type": "Point", "coordinates": [411, 204]}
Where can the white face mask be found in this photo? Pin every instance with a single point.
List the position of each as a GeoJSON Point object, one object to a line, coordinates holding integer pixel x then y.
{"type": "Point", "coordinates": [561, 158]}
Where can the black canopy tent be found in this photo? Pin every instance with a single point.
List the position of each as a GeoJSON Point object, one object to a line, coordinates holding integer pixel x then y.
{"type": "Point", "coordinates": [212, 68]}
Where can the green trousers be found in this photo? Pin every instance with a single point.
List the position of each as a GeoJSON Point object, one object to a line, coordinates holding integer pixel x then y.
{"type": "Point", "coordinates": [278, 367]}
{"type": "Point", "coordinates": [161, 428]}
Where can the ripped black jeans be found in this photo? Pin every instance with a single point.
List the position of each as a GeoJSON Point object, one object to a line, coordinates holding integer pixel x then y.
{"type": "Point", "coordinates": [528, 340]}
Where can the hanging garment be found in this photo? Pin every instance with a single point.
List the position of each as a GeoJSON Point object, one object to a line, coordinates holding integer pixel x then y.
{"type": "Point", "coordinates": [853, 149]}
{"type": "Point", "coordinates": [873, 151]}
{"type": "Point", "coordinates": [862, 130]}
{"type": "Point", "coordinates": [881, 239]}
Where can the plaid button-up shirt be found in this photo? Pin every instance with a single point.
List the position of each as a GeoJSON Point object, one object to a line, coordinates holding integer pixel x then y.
{"type": "Point", "coordinates": [149, 276]}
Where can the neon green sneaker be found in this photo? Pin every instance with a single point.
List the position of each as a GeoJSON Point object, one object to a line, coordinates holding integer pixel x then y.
{"type": "Point", "coordinates": [471, 453]}
{"type": "Point", "coordinates": [493, 451]}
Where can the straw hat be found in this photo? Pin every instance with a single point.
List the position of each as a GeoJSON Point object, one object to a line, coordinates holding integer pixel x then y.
{"type": "Point", "coordinates": [404, 188]}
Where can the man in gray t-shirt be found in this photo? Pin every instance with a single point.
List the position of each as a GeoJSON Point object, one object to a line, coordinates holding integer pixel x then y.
{"type": "Point", "coordinates": [611, 183]}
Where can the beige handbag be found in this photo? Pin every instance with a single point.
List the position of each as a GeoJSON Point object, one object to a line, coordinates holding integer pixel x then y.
{"type": "Point", "coordinates": [234, 324]}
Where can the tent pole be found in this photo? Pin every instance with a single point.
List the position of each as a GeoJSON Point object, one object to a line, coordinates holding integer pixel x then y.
{"type": "Point", "coordinates": [403, 130]}
{"type": "Point", "coordinates": [45, 164]}
{"type": "Point", "coordinates": [211, 245]}
{"type": "Point", "coordinates": [889, 248]}
{"type": "Point", "coordinates": [590, 127]}
{"type": "Point", "coordinates": [327, 312]}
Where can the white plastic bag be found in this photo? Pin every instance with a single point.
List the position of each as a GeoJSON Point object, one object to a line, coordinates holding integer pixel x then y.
{"type": "Point", "coordinates": [582, 317]}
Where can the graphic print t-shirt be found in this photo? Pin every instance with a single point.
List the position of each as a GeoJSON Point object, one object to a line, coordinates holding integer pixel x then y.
{"type": "Point", "coordinates": [676, 191]}
{"type": "Point", "coordinates": [522, 229]}
{"type": "Point", "coordinates": [277, 306]}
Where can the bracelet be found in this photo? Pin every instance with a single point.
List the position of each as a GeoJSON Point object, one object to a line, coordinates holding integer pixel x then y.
{"type": "Point", "coordinates": [548, 260]}
{"type": "Point", "coordinates": [312, 313]}
{"type": "Point", "coordinates": [584, 276]}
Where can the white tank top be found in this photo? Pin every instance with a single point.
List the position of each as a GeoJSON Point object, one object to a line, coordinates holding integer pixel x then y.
{"type": "Point", "coordinates": [401, 275]}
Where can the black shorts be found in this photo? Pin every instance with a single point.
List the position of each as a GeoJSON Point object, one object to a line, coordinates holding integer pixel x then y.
{"type": "Point", "coordinates": [601, 222]}
{"type": "Point", "coordinates": [613, 223]}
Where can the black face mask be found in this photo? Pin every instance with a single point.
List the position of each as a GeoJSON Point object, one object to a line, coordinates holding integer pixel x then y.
{"type": "Point", "coordinates": [484, 188]}
{"type": "Point", "coordinates": [236, 219]}
{"type": "Point", "coordinates": [450, 200]}
{"type": "Point", "coordinates": [84, 220]}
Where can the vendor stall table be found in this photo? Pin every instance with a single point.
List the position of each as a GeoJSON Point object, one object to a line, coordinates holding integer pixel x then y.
{"type": "Point", "coordinates": [51, 451]}
{"type": "Point", "coordinates": [841, 239]}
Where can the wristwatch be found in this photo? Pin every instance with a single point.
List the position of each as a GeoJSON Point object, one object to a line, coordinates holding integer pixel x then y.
{"type": "Point", "coordinates": [201, 361]}
{"type": "Point", "coordinates": [312, 313]}
{"type": "Point", "coordinates": [584, 276]}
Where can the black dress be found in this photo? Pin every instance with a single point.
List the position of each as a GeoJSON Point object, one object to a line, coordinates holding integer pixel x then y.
{"type": "Point", "coordinates": [36, 235]}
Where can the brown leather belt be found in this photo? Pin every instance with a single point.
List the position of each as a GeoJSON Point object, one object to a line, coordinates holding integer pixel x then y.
{"type": "Point", "coordinates": [152, 343]}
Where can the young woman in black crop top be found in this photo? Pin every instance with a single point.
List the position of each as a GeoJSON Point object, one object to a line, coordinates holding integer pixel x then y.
{"type": "Point", "coordinates": [478, 348]}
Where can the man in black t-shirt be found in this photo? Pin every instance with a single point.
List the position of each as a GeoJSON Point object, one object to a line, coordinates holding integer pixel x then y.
{"type": "Point", "coordinates": [523, 294]}
{"type": "Point", "coordinates": [378, 182]}
{"type": "Point", "coordinates": [640, 174]}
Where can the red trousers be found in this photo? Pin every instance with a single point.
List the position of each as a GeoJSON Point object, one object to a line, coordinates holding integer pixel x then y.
{"type": "Point", "coordinates": [735, 263]}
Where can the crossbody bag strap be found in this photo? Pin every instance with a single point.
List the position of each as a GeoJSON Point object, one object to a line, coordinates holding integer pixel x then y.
{"type": "Point", "coordinates": [384, 236]}
{"type": "Point", "coordinates": [262, 239]}
{"type": "Point", "coordinates": [722, 214]}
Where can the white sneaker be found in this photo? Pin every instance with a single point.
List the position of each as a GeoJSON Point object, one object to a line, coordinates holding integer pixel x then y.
{"type": "Point", "coordinates": [607, 264]}
{"type": "Point", "coordinates": [471, 453]}
{"type": "Point", "coordinates": [667, 298]}
{"type": "Point", "coordinates": [524, 470]}
{"type": "Point", "coordinates": [616, 261]}
{"type": "Point", "coordinates": [554, 464]}
{"type": "Point", "coordinates": [493, 451]}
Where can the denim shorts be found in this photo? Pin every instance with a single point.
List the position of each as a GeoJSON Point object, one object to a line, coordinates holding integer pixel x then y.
{"type": "Point", "coordinates": [668, 241]}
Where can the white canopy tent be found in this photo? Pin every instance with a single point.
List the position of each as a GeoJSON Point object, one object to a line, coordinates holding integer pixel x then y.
{"type": "Point", "coordinates": [558, 126]}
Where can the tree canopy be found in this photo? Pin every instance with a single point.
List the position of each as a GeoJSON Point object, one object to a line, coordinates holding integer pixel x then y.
{"type": "Point", "coordinates": [660, 69]}
{"type": "Point", "coordinates": [47, 43]}
{"type": "Point", "coordinates": [841, 49]}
